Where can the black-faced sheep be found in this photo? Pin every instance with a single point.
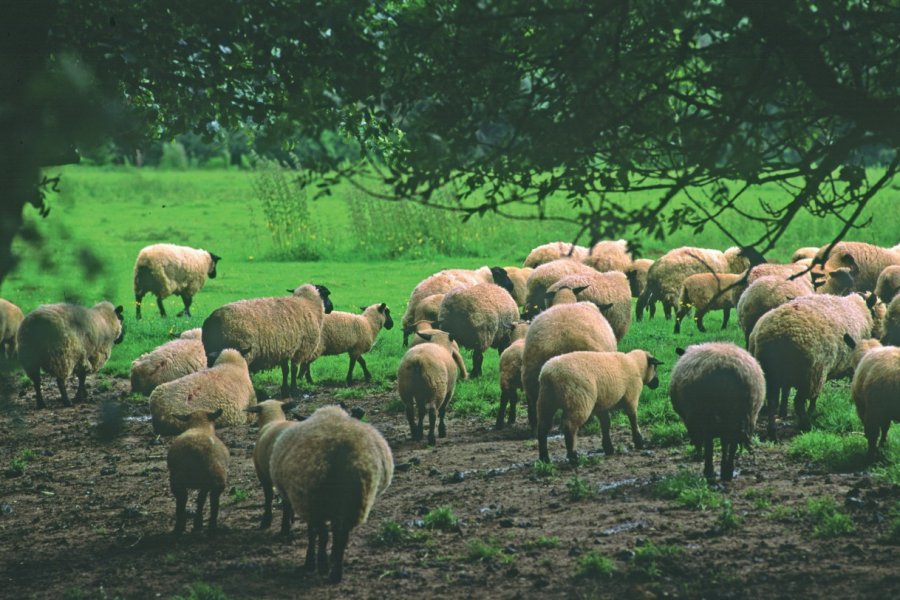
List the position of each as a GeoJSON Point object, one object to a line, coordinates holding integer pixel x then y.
{"type": "Point", "coordinates": [763, 295]}
{"type": "Point", "coordinates": [167, 269]}
{"type": "Point", "coordinates": [704, 292]}
{"type": "Point", "coordinates": [545, 276]}
{"type": "Point", "coordinates": [888, 284]}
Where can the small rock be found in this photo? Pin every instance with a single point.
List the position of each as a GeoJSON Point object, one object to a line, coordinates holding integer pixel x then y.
{"type": "Point", "coordinates": [575, 551]}
{"type": "Point", "coordinates": [507, 523]}
{"type": "Point", "coordinates": [6, 509]}
{"type": "Point", "coordinates": [434, 471]}
{"type": "Point", "coordinates": [510, 549]}
{"type": "Point", "coordinates": [456, 477]}
{"type": "Point", "coordinates": [108, 471]}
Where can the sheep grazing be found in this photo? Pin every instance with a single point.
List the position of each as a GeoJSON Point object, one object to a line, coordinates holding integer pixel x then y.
{"type": "Point", "coordinates": [891, 335]}
{"type": "Point", "coordinates": [546, 253]}
{"type": "Point", "coordinates": [863, 261]}
{"type": "Point", "coordinates": [545, 276]}
{"type": "Point", "coordinates": [272, 423]}
{"type": "Point", "coordinates": [587, 383]}
{"type": "Point", "coordinates": [800, 344]}
{"type": "Point", "coordinates": [704, 292]}
{"type": "Point", "coordinates": [763, 295]}
{"type": "Point", "coordinates": [888, 284]}
{"type": "Point", "coordinates": [519, 278]}
{"type": "Point", "coordinates": [226, 385]}
{"type": "Point", "coordinates": [330, 468]}
{"type": "Point", "coordinates": [718, 390]}
{"type": "Point", "coordinates": [167, 269]}
{"type": "Point", "coordinates": [478, 318]}
{"type": "Point", "coordinates": [443, 282]}
{"type": "Point", "coordinates": [609, 256]}
{"type": "Point", "coordinates": [277, 331]}
{"type": "Point", "coordinates": [344, 332]}
{"type": "Point", "coordinates": [665, 277]}
{"type": "Point", "coordinates": [168, 362]}
{"type": "Point", "coordinates": [197, 460]}
{"type": "Point", "coordinates": [511, 373]}
{"type": "Point", "coordinates": [804, 253]}
{"type": "Point", "coordinates": [608, 291]}
{"type": "Point", "coordinates": [876, 394]}
{"type": "Point", "coordinates": [558, 330]}
{"type": "Point", "coordinates": [11, 317]}
{"type": "Point", "coordinates": [637, 277]}
{"type": "Point", "coordinates": [426, 379]}
{"type": "Point", "coordinates": [63, 339]}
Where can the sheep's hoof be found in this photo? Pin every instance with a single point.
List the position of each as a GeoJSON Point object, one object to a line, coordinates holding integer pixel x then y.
{"type": "Point", "coordinates": [266, 522]}
{"type": "Point", "coordinates": [442, 431]}
{"type": "Point", "coordinates": [431, 440]}
{"type": "Point", "coordinates": [608, 449]}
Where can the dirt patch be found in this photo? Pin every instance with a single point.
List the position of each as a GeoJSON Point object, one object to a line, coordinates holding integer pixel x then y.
{"type": "Point", "coordinates": [92, 519]}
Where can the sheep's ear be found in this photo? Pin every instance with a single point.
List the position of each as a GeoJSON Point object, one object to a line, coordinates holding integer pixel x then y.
{"type": "Point", "coordinates": [848, 339]}
{"type": "Point", "coordinates": [290, 405]}
{"type": "Point", "coordinates": [679, 351]}
{"type": "Point", "coordinates": [255, 409]}
{"type": "Point", "coordinates": [245, 351]}
{"type": "Point", "coordinates": [604, 307]}
{"type": "Point", "coordinates": [753, 255]}
{"type": "Point", "coordinates": [654, 361]}
{"type": "Point", "coordinates": [580, 289]}
{"type": "Point", "coordinates": [871, 301]}
{"type": "Point", "coordinates": [435, 324]}
{"type": "Point", "coordinates": [382, 307]}
{"type": "Point", "coordinates": [215, 257]}
{"type": "Point", "coordinates": [119, 310]}
{"type": "Point", "coordinates": [357, 413]}
{"type": "Point", "coordinates": [212, 416]}
{"type": "Point", "coordinates": [323, 291]}
{"type": "Point", "coordinates": [183, 418]}
{"type": "Point", "coordinates": [424, 336]}
{"type": "Point", "coordinates": [848, 261]}
{"type": "Point", "coordinates": [290, 291]}
{"type": "Point", "coordinates": [818, 282]}
{"type": "Point", "coordinates": [363, 308]}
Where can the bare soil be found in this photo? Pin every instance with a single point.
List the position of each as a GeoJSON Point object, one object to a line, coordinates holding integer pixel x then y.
{"type": "Point", "coordinates": [94, 519]}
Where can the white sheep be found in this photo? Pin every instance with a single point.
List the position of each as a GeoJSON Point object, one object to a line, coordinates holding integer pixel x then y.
{"type": "Point", "coordinates": [197, 460]}
{"type": "Point", "coordinates": [545, 276]}
{"type": "Point", "coordinates": [582, 384]}
{"type": "Point", "coordinates": [609, 291]}
{"type": "Point", "coordinates": [277, 331]}
{"type": "Point", "coordinates": [63, 339]}
{"type": "Point", "coordinates": [511, 373]}
{"type": "Point", "coordinates": [225, 385]}
{"type": "Point", "coordinates": [272, 423]}
{"type": "Point", "coordinates": [609, 256]}
{"type": "Point", "coordinates": [330, 469]}
{"type": "Point", "coordinates": [344, 332]}
{"type": "Point", "coordinates": [864, 262]}
{"type": "Point", "coordinates": [718, 390]}
{"type": "Point", "coordinates": [876, 394]}
{"type": "Point", "coordinates": [888, 284]}
{"type": "Point", "coordinates": [553, 251]}
{"type": "Point", "coordinates": [704, 292]}
{"type": "Point", "coordinates": [11, 317]}
{"type": "Point", "coordinates": [763, 295]}
{"type": "Point", "coordinates": [167, 269]}
{"type": "Point", "coordinates": [167, 362]}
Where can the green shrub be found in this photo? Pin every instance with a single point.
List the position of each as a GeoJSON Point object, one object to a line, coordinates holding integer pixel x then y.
{"type": "Point", "coordinates": [392, 533]}
{"type": "Point", "coordinates": [286, 210]}
{"type": "Point", "coordinates": [594, 565]}
{"type": "Point", "coordinates": [203, 591]}
{"type": "Point", "coordinates": [841, 453]}
{"type": "Point", "coordinates": [669, 433]}
{"type": "Point", "coordinates": [728, 520]}
{"type": "Point", "coordinates": [650, 560]}
{"type": "Point", "coordinates": [688, 489]}
{"type": "Point", "coordinates": [174, 157]}
{"type": "Point", "coordinates": [441, 518]}
{"type": "Point", "coordinates": [578, 489]}
{"type": "Point", "coordinates": [544, 469]}
{"type": "Point", "coordinates": [481, 551]}
{"type": "Point", "coordinates": [827, 518]}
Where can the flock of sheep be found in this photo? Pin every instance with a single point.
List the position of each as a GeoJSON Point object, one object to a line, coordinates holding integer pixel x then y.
{"type": "Point", "coordinates": [556, 323]}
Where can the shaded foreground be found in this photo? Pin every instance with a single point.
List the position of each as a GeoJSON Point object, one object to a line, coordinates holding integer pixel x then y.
{"type": "Point", "coordinates": [88, 519]}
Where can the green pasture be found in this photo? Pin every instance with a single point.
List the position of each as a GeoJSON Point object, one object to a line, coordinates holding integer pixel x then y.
{"type": "Point", "coordinates": [369, 251]}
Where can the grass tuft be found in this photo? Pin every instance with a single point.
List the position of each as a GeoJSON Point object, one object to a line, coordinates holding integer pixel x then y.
{"type": "Point", "coordinates": [688, 489]}
{"type": "Point", "coordinates": [442, 519]}
{"type": "Point", "coordinates": [595, 565]}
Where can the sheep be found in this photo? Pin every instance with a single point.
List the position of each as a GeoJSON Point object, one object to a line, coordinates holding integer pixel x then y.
{"type": "Point", "coordinates": [519, 277]}
{"type": "Point", "coordinates": [717, 389]}
{"type": "Point", "coordinates": [788, 271]}
{"type": "Point", "coordinates": [552, 251]}
{"type": "Point", "coordinates": [277, 331]}
{"type": "Point", "coordinates": [665, 277]}
{"type": "Point", "coordinates": [837, 282]}
{"type": "Point", "coordinates": [197, 460]}
{"type": "Point", "coordinates": [888, 284]}
{"type": "Point", "coordinates": [426, 378]}
{"type": "Point", "coordinates": [609, 256]}
{"type": "Point", "coordinates": [167, 269]}
{"type": "Point", "coordinates": [876, 393]}
{"type": "Point", "coordinates": [272, 423]}
{"type": "Point", "coordinates": [428, 309]}
{"type": "Point", "coordinates": [192, 334]}
{"type": "Point", "coordinates": [800, 344]}
{"type": "Point", "coordinates": [558, 330]}
{"type": "Point", "coordinates": [478, 318]}
{"type": "Point", "coordinates": [864, 261]}
{"type": "Point", "coordinates": [354, 334]}
{"type": "Point", "coordinates": [10, 318]}
{"type": "Point", "coordinates": [225, 385]}
{"type": "Point", "coordinates": [63, 339]}
{"type": "Point", "coordinates": [705, 292]}
{"type": "Point", "coordinates": [763, 295]}
{"type": "Point", "coordinates": [331, 467]}
{"type": "Point", "coordinates": [511, 373]}
{"type": "Point", "coordinates": [609, 291]}
{"type": "Point", "coordinates": [168, 362]}
{"type": "Point", "coordinates": [637, 276]}
{"type": "Point", "coordinates": [546, 275]}
{"type": "Point", "coordinates": [892, 323]}
{"type": "Point", "coordinates": [444, 281]}
{"type": "Point", "coordinates": [587, 383]}
{"type": "Point", "coordinates": [803, 253]}
{"type": "Point", "coordinates": [426, 328]}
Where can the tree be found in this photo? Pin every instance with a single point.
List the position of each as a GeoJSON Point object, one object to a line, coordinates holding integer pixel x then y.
{"type": "Point", "coordinates": [520, 101]}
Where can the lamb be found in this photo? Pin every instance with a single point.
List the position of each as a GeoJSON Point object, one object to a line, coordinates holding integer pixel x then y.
{"type": "Point", "coordinates": [198, 460]}
{"type": "Point", "coordinates": [478, 318]}
{"type": "Point", "coordinates": [545, 276]}
{"type": "Point", "coordinates": [587, 383]}
{"type": "Point", "coordinates": [277, 331]}
{"type": "Point", "coordinates": [519, 277]}
{"type": "Point", "coordinates": [168, 362]}
{"type": "Point", "coordinates": [426, 379]}
{"type": "Point", "coordinates": [876, 394]}
{"type": "Point", "coordinates": [444, 281]}
{"type": "Point", "coordinates": [272, 423]}
{"type": "Point", "coordinates": [225, 385]}
{"type": "Point", "coordinates": [546, 253]}
{"type": "Point", "coordinates": [804, 252]}
{"type": "Point", "coordinates": [609, 256]}
{"type": "Point", "coordinates": [888, 284]}
{"type": "Point", "coordinates": [763, 295]}
{"type": "Point", "coordinates": [558, 330]}
{"type": "Point", "coordinates": [718, 390]}
{"type": "Point", "coordinates": [354, 334]}
{"type": "Point", "coordinates": [511, 373]}
{"type": "Point", "coordinates": [331, 467]}
{"type": "Point", "coordinates": [800, 344]}
{"type": "Point", "coordinates": [63, 339]}
{"type": "Point", "coordinates": [167, 269]}
{"type": "Point", "coordinates": [665, 277]}
{"type": "Point", "coordinates": [864, 261]}
{"type": "Point", "coordinates": [705, 292]}
{"type": "Point", "coordinates": [609, 291]}
{"type": "Point", "coordinates": [892, 323]}
{"type": "Point", "coordinates": [10, 318]}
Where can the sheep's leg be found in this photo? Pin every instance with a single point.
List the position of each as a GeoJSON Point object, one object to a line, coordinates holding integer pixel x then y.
{"type": "Point", "coordinates": [680, 315]}
{"type": "Point", "coordinates": [699, 316]}
{"type": "Point", "coordinates": [287, 517]}
{"type": "Point", "coordinates": [783, 408]}
{"type": "Point", "coordinates": [513, 402]}
{"type": "Point", "coordinates": [269, 495]}
{"type": "Point", "coordinates": [138, 298]}
{"type": "Point", "coordinates": [442, 429]}
{"type": "Point", "coordinates": [667, 309]}
{"type": "Point", "coordinates": [604, 428]}
{"type": "Point", "coordinates": [411, 419]}
{"type": "Point", "coordinates": [350, 370]}
{"type": "Point", "coordinates": [636, 436]}
{"type": "Point", "coordinates": [708, 471]}
{"type": "Point", "coordinates": [803, 422]}
{"type": "Point", "coordinates": [35, 377]}
{"type": "Point", "coordinates": [180, 510]}
{"type": "Point", "coordinates": [729, 449]}
{"type": "Point", "coordinates": [187, 299]}
{"type": "Point", "coordinates": [81, 393]}
{"type": "Point", "coordinates": [884, 433]}
{"type": "Point", "coordinates": [642, 302]}
{"type": "Point", "coordinates": [504, 399]}
{"type": "Point", "coordinates": [477, 359]}
{"type": "Point", "coordinates": [198, 515]}
{"type": "Point", "coordinates": [431, 419]}
{"type": "Point", "coordinates": [365, 368]}
{"type": "Point", "coordinates": [295, 391]}
{"type": "Point", "coordinates": [213, 510]}
{"type": "Point", "coordinates": [305, 369]}
{"type": "Point", "coordinates": [772, 390]}
{"type": "Point", "coordinates": [285, 391]}
{"type": "Point", "coordinates": [312, 534]}
{"type": "Point", "coordinates": [420, 428]}
{"type": "Point", "coordinates": [322, 558]}
{"type": "Point", "coordinates": [159, 304]}
{"type": "Point", "coordinates": [726, 314]}
{"type": "Point", "coordinates": [339, 537]}
{"type": "Point", "coordinates": [571, 439]}
{"type": "Point", "coordinates": [652, 308]}
{"type": "Point", "coordinates": [61, 384]}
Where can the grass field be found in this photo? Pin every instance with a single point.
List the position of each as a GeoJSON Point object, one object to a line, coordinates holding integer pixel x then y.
{"type": "Point", "coordinates": [102, 218]}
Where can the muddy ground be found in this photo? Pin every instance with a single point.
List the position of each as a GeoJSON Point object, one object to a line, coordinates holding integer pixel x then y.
{"type": "Point", "coordinates": [92, 519]}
